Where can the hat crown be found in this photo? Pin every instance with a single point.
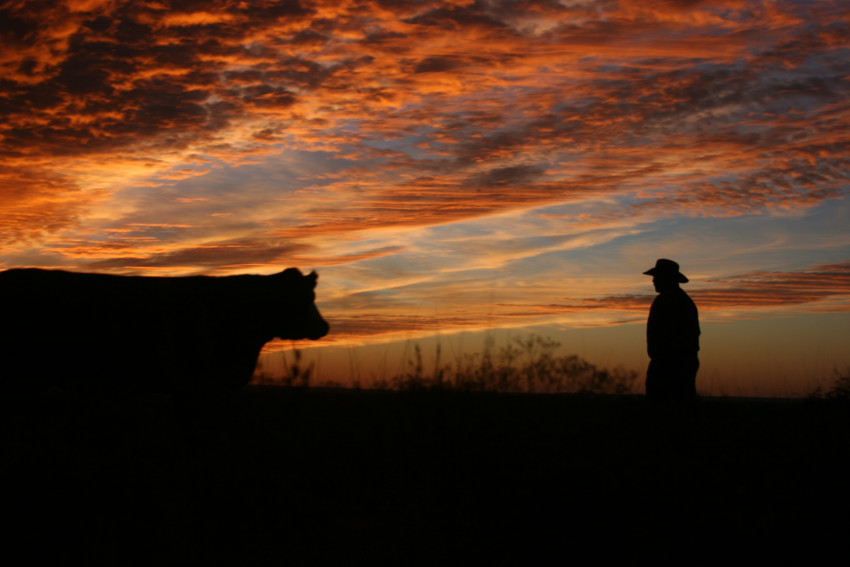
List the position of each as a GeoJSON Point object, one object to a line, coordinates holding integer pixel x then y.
{"type": "Point", "coordinates": [667, 268]}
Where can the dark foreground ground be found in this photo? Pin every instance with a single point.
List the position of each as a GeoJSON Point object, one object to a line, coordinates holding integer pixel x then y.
{"type": "Point", "coordinates": [312, 477]}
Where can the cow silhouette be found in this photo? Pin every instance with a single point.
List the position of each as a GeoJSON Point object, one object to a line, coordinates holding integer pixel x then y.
{"type": "Point", "coordinates": [104, 332]}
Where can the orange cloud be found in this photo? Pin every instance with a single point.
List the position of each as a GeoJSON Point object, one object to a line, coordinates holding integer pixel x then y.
{"type": "Point", "coordinates": [34, 202]}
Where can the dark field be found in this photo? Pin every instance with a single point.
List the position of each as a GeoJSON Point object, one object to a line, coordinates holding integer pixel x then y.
{"type": "Point", "coordinates": [309, 476]}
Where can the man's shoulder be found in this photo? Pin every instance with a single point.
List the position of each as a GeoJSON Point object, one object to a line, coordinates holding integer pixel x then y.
{"type": "Point", "coordinates": [672, 298]}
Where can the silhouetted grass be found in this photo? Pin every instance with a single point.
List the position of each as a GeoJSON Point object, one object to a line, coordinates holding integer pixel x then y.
{"type": "Point", "coordinates": [296, 375]}
{"type": "Point", "coordinates": [529, 365]}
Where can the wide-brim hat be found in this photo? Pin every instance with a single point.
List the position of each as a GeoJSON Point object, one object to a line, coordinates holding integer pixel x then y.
{"type": "Point", "coordinates": [667, 268]}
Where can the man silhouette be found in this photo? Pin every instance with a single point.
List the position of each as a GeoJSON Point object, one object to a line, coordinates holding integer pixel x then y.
{"type": "Point", "coordinates": [672, 336]}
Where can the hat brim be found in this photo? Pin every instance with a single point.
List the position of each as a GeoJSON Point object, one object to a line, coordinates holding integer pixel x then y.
{"type": "Point", "coordinates": [680, 277]}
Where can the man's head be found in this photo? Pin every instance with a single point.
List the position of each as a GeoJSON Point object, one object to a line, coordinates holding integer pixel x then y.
{"type": "Point", "coordinates": [666, 275]}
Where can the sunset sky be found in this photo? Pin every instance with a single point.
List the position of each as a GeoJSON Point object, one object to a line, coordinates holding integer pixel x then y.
{"type": "Point", "coordinates": [453, 168]}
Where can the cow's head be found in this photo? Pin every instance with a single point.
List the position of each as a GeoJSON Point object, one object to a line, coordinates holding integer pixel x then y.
{"type": "Point", "coordinates": [302, 319]}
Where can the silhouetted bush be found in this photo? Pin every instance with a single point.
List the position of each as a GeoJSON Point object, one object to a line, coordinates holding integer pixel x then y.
{"type": "Point", "coordinates": [840, 389]}
{"type": "Point", "coordinates": [528, 364]}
